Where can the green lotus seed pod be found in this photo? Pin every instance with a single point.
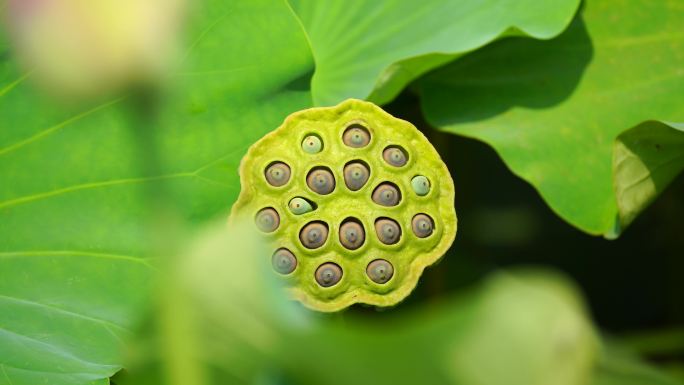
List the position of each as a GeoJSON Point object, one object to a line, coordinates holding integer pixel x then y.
{"type": "Point", "coordinates": [367, 240]}
{"type": "Point", "coordinates": [356, 136]}
{"type": "Point", "coordinates": [321, 181]}
{"type": "Point", "coordinates": [267, 220]}
{"type": "Point", "coordinates": [388, 231]}
{"type": "Point", "coordinates": [380, 271]}
{"type": "Point", "coordinates": [421, 185]}
{"type": "Point", "coordinates": [283, 261]}
{"type": "Point", "coordinates": [328, 274]}
{"type": "Point", "coordinates": [356, 175]}
{"type": "Point", "coordinates": [312, 144]}
{"type": "Point", "coordinates": [422, 225]}
{"type": "Point", "coordinates": [299, 206]}
{"type": "Point", "coordinates": [277, 174]}
{"type": "Point", "coordinates": [352, 235]}
{"type": "Point", "coordinates": [386, 194]}
{"type": "Point", "coordinates": [395, 156]}
{"type": "Point", "coordinates": [313, 235]}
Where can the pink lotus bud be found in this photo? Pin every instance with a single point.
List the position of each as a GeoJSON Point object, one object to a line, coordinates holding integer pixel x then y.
{"type": "Point", "coordinates": [87, 47]}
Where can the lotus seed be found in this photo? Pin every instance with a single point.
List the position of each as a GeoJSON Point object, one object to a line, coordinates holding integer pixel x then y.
{"type": "Point", "coordinates": [313, 235]}
{"type": "Point", "coordinates": [356, 136]}
{"type": "Point", "coordinates": [380, 271]}
{"type": "Point", "coordinates": [352, 235]}
{"type": "Point", "coordinates": [267, 220]}
{"type": "Point", "coordinates": [321, 181]}
{"type": "Point", "coordinates": [422, 225]}
{"type": "Point", "coordinates": [356, 175]}
{"type": "Point", "coordinates": [421, 185]}
{"type": "Point", "coordinates": [312, 144]}
{"type": "Point", "coordinates": [299, 206]}
{"type": "Point", "coordinates": [283, 261]}
{"type": "Point", "coordinates": [328, 274]}
{"type": "Point", "coordinates": [388, 231]}
{"type": "Point", "coordinates": [395, 156]}
{"type": "Point", "coordinates": [386, 194]}
{"type": "Point", "coordinates": [277, 174]}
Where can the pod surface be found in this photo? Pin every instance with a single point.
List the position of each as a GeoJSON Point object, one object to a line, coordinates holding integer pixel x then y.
{"type": "Point", "coordinates": [407, 257]}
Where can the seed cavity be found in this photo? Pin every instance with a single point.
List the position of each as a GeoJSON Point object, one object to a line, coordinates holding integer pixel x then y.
{"type": "Point", "coordinates": [395, 156]}
{"type": "Point", "coordinates": [283, 261]}
{"type": "Point", "coordinates": [352, 234]}
{"type": "Point", "coordinates": [277, 174]}
{"type": "Point", "coordinates": [328, 274]}
{"type": "Point", "coordinates": [386, 194]}
{"type": "Point", "coordinates": [421, 185]}
{"type": "Point", "coordinates": [422, 225]}
{"type": "Point", "coordinates": [388, 230]}
{"type": "Point", "coordinates": [314, 235]}
{"type": "Point", "coordinates": [267, 220]}
{"type": "Point", "coordinates": [380, 271]}
{"type": "Point", "coordinates": [321, 180]}
{"type": "Point", "coordinates": [299, 206]}
{"type": "Point", "coordinates": [356, 174]}
{"type": "Point", "coordinates": [312, 144]}
{"type": "Point", "coordinates": [356, 136]}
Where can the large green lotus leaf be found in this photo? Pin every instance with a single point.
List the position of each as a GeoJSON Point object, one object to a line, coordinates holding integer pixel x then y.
{"type": "Point", "coordinates": [646, 159]}
{"type": "Point", "coordinates": [74, 184]}
{"type": "Point", "coordinates": [375, 48]}
{"type": "Point", "coordinates": [554, 109]}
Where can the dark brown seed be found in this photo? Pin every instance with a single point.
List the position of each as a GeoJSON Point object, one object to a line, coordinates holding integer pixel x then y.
{"type": "Point", "coordinates": [352, 235]}
{"type": "Point", "coordinates": [356, 175]}
{"type": "Point", "coordinates": [283, 261]}
{"type": "Point", "coordinates": [388, 231]}
{"type": "Point", "coordinates": [267, 220]}
{"type": "Point", "coordinates": [321, 181]}
{"type": "Point", "coordinates": [277, 174]}
{"type": "Point", "coordinates": [386, 194]}
{"type": "Point", "coordinates": [328, 274]}
{"type": "Point", "coordinates": [395, 156]}
{"type": "Point", "coordinates": [314, 235]}
{"type": "Point", "coordinates": [422, 225]}
{"type": "Point", "coordinates": [380, 271]}
{"type": "Point", "coordinates": [356, 136]}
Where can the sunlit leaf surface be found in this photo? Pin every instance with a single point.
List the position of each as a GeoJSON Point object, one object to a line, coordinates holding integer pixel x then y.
{"type": "Point", "coordinates": [553, 110]}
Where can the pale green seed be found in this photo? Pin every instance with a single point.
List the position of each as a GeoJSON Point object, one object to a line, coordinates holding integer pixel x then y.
{"type": "Point", "coordinates": [421, 185]}
{"type": "Point", "coordinates": [299, 206]}
{"type": "Point", "coordinates": [312, 144]}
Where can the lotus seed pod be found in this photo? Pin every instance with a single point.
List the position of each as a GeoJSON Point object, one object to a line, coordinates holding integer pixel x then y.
{"type": "Point", "coordinates": [380, 271]}
{"type": "Point", "coordinates": [328, 274]}
{"type": "Point", "coordinates": [321, 181]}
{"type": "Point", "coordinates": [278, 174]}
{"type": "Point", "coordinates": [388, 231]}
{"type": "Point", "coordinates": [356, 175]}
{"type": "Point", "coordinates": [312, 144]}
{"type": "Point", "coordinates": [267, 220]}
{"type": "Point", "coordinates": [359, 243]}
{"type": "Point", "coordinates": [386, 194]}
{"type": "Point", "coordinates": [395, 156]}
{"type": "Point", "coordinates": [421, 185]}
{"type": "Point", "coordinates": [313, 235]}
{"type": "Point", "coordinates": [283, 261]}
{"type": "Point", "coordinates": [422, 225]}
{"type": "Point", "coordinates": [352, 235]}
{"type": "Point", "coordinates": [299, 206]}
{"type": "Point", "coordinates": [356, 136]}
